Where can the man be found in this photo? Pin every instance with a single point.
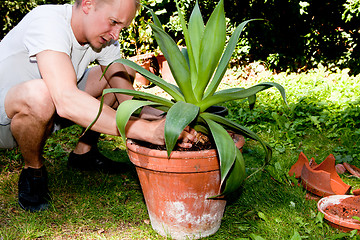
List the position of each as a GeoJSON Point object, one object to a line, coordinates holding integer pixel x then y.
{"type": "Point", "coordinates": [43, 74]}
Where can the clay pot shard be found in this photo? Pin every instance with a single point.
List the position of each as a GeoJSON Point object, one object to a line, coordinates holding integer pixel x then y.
{"type": "Point", "coordinates": [323, 180]}
{"type": "Point", "coordinates": [298, 166]}
{"type": "Point", "coordinates": [352, 169]}
{"type": "Point", "coordinates": [356, 192]}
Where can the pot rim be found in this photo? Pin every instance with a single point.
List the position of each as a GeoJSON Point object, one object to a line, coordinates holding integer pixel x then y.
{"type": "Point", "coordinates": [208, 153]}
{"type": "Point", "coordinates": [178, 162]}
{"type": "Point", "coordinates": [333, 200]}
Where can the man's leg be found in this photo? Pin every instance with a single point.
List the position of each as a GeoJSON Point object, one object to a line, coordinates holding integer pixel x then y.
{"type": "Point", "coordinates": [86, 155]}
{"type": "Point", "coordinates": [31, 110]}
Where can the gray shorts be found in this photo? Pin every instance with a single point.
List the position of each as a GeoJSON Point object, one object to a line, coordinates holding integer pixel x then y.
{"type": "Point", "coordinates": [7, 140]}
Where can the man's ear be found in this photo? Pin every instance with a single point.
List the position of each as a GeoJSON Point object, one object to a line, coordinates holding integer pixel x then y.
{"type": "Point", "coordinates": [87, 5]}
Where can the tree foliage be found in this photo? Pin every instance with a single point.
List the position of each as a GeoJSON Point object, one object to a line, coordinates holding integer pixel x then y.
{"type": "Point", "coordinates": [295, 34]}
{"type": "Point", "coordinates": [13, 11]}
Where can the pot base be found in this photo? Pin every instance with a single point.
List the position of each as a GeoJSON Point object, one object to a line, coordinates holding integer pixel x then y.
{"type": "Point", "coordinates": [183, 213]}
{"type": "Point", "coordinates": [177, 190]}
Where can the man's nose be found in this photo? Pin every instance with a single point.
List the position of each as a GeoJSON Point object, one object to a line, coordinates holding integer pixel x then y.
{"type": "Point", "coordinates": [115, 32]}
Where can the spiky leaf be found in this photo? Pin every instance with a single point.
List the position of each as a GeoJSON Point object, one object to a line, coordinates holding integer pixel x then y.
{"type": "Point", "coordinates": [124, 112]}
{"type": "Point", "coordinates": [236, 176]}
{"type": "Point", "coordinates": [177, 62]}
{"type": "Point", "coordinates": [225, 147]}
{"type": "Point", "coordinates": [239, 93]}
{"type": "Point", "coordinates": [225, 59]}
{"type": "Point", "coordinates": [169, 88]}
{"type": "Point", "coordinates": [178, 117]}
{"type": "Point", "coordinates": [211, 49]}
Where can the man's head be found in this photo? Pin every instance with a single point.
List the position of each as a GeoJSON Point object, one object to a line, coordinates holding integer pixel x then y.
{"type": "Point", "coordinates": [78, 2]}
{"type": "Point", "coordinates": [104, 19]}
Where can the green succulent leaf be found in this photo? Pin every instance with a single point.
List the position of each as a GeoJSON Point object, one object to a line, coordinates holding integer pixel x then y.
{"type": "Point", "coordinates": [196, 31]}
{"type": "Point", "coordinates": [172, 90]}
{"type": "Point", "coordinates": [186, 55]}
{"type": "Point", "coordinates": [225, 59]}
{"type": "Point", "coordinates": [211, 49]}
{"type": "Point", "coordinates": [252, 100]}
{"type": "Point", "coordinates": [239, 93]}
{"type": "Point", "coordinates": [241, 130]}
{"type": "Point", "coordinates": [124, 112]}
{"type": "Point", "coordinates": [178, 117]}
{"type": "Point", "coordinates": [177, 62]}
{"type": "Point", "coordinates": [154, 16]}
{"type": "Point", "coordinates": [189, 48]}
{"type": "Point", "coordinates": [142, 95]}
{"type": "Point", "coordinates": [224, 145]}
{"type": "Point", "coordinates": [236, 176]}
{"type": "Point", "coordinates": [159, 100]}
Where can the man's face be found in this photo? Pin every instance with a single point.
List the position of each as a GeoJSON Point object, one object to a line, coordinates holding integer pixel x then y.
{"type": "Point", "coordinates": [104, 21]}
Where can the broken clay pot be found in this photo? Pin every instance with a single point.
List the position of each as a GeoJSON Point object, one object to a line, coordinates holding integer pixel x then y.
{"type": "Point", "coordinates": [356, 192]}
{"type": "Point", "coordinates": [352, 169]}
{"type": "Point", "coordinates": [321, 180]}
{"type": "Point", "coordinates": [298, 166]}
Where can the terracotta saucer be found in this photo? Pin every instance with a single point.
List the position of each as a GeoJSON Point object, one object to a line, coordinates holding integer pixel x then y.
{"type": "Point", "coordinates": [337, 221]}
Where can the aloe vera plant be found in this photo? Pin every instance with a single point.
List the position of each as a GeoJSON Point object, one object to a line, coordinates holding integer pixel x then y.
{"type": "Point", "coordinates": [198, 70]}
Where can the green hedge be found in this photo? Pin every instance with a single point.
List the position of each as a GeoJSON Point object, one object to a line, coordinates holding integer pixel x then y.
{"type": "Point", "coordinates": [13, 11]}
{"type": "Point", "coordinates": [295, 35]}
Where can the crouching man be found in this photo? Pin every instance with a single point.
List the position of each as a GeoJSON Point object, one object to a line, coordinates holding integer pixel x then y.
{"type": "Point", "coordinates": [45, 76]}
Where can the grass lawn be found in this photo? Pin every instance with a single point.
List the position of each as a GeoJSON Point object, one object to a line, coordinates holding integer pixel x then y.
{"type": "Point", "coordinates": [322, 119]}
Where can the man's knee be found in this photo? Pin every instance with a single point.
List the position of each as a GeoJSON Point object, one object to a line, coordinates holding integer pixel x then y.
{"type": "Point", "coordinates": [30, 98]}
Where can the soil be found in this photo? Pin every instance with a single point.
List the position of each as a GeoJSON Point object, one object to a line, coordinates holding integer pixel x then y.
{"type": "Point", "coordinates": [346, 209]}
{"type": "Point", "coordinates": [203, 143]}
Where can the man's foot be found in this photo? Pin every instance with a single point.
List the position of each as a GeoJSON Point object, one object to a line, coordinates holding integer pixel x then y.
{"type": "Point", "coordinates": [33, 189]}
{"type": "Point", "coordinates": [95, 161]}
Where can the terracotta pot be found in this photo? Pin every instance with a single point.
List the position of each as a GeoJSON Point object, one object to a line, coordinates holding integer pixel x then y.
{"type": "Point", "coordinates": [143, 60]}
{"type": "Point", "coordinates": [338, 220]}
{"type": "Point", "coordinates": [165, 69]}
{"type": "Point", "coordinates": [177, 190]}
{"type": "Point", "coordinates": [140, 79]}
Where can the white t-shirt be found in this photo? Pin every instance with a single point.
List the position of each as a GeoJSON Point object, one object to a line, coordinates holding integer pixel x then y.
{"type": "Point", "coordinates": [46, 27]}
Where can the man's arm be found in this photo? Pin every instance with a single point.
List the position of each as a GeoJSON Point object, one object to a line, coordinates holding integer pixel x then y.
{"type": "Point", "coordinates": [118, 76]}
{"type": "Point", "coordinates": [57, 71]}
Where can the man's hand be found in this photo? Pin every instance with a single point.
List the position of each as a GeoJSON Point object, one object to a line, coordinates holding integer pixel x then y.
{"type": "Point", "coordinates": [186, 138]}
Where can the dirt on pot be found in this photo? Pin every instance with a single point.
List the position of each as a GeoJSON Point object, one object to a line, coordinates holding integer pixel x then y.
{"type": "Point", "coordinates": [346, 209]}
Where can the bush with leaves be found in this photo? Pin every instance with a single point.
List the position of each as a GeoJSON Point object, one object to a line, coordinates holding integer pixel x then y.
{"type": "Point", "coordinates": [13, 11]}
